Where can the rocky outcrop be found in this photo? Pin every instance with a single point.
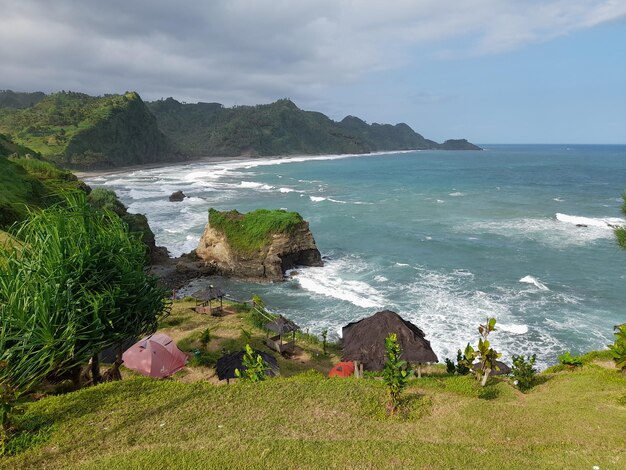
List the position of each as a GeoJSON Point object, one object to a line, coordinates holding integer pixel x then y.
{"type": "Point", "coordinates": [282, 251]}
{"type": "Point", "coordinates": [177, 196]}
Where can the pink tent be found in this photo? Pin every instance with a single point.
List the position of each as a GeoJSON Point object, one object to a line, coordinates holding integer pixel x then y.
{"type": "Point", "coordinates": [155, 356]}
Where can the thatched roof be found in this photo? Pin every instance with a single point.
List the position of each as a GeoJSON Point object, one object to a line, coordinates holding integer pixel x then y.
{"type": "Point", "coordinates": [227, 364]}
{"type": "Point", "coordinates": [282, 325]}
{"type": "Point", "coordinates": [503, 368]}
{"type": "Point", "coordinates": [364, 340]}
{"type": "Point", "coordinates": [208, 293]}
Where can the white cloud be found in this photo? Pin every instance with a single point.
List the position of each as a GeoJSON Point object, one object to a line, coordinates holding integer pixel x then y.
{"type": "Point", "coordinates": [238, 51]}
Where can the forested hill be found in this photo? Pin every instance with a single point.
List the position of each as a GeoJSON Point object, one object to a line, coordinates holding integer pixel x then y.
{"type": "Point", "coordinates": [82, 131]}
{"type": "Point", "coordinates": [79, 131]}
{"type": "Point", "coordinates": [279, 128]}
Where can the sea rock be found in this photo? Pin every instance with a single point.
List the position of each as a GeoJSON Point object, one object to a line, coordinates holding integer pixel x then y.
{"type": "Point", "coordinates": [281, 252]}
{"type": "Point", "coordinates": [177, 196]}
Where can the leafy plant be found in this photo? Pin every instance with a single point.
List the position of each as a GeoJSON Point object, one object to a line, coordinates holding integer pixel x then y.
{"type": "Point", "coordinates": [523, 372]}
{"type": "Point", "coordinates": [205, 337]}
{"type": "Point", "coordinates": [486, 355]}
{"type": "Point", "coordinates": [450, 367]}
{"type": "Point", "coordinates": [460, 366]}
{"type": "Point", "coordinates": [254, 367]}
{"type": "Point", "coordinates": [324, 339]}
{"type": "Point", "coordinates": [395, 373]}
{"type": "Point", "coordinates": [618, 349]}
{"type": "Point", "coordinates": [11, 402]}
{"type": "Point", "coordinates": [568, 360]}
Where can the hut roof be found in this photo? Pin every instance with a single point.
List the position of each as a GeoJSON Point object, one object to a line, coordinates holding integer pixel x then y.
{"type": "Point", "coordinates": [208, 293]}
{"type": "Point", "coordinates": [227, 364]}
{"type": "Point", "coordinates": [282, 325]}
{"type": "Point", "coordinates": [364, 340]}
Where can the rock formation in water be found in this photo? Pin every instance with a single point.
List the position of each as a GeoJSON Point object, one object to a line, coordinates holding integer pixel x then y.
{"type": "Point", "coordinates": [260, 245]}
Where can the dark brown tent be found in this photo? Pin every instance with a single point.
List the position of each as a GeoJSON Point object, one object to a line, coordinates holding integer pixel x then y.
{"type": "Point", "coordinates": [227, 364]}
{"type": "Point", "coordinates": [503, 369]}
{"type": "Point", "coordinates": [364, 340]}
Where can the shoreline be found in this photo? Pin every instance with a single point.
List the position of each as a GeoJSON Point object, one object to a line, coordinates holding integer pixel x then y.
{"type": "Point", "coordinates": [237, 159]}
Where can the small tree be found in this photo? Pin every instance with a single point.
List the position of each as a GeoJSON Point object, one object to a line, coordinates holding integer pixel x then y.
{"type": "Point", "coordinates": [523, 372]}
{"type": "Point", "coordinates": [486, 355]}
{"type": "Point", "coordinates": [255, 368]}
{"type": "Point", "coordinates": [324, 339]}
{"type": "Point", "coordinates": [205, 338]}
{"type": "Point", "coordinates": [618, 349]}
{"type": "Point", "coordinates": [395, 373]}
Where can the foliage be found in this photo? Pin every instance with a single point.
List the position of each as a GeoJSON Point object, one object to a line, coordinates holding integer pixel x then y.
{"type": "Point", "coordinates": [324, 339]}
{"type": "Point", "coordinates": [11, 406]}
{"type": "Point", "coordinates": [523, 372]}
{"type": "Point", "coordinates": [620, 232]}
{"type": "Point", "coordinates": [460, 368]}
{"type": "Point", "coordinates": [395, 373]}
{"type": "Point", "coordinates": [450, 368]}
{"type": "Point", "coordinates": [568, 360]}
{"type": "Point", "coordinates": [205, 337]}
{"type": "Point", "coordinates": [79, 130]}
{"type": "Point", "coordinates": [255, 368]}
{"type": "Point", "coordinates": [486, 355]}
{"type": "Point", "coordinates": [247, 233]}
{"type": "Point", "coordinates": [76, 287]}
{"type": "Point", "coordinates": [618, 348]}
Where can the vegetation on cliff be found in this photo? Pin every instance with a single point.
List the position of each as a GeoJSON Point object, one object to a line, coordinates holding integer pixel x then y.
{"type": "Point", "coordinates": [18, 99]}
{"type": "Point", "coordinates": [247, 233]}
{"type": "Point", "coordinates": [81, 131]}
{"type": "Point", "coordinates": [279, 128]}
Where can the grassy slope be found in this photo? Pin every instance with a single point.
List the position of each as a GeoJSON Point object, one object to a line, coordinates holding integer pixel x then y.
{"type": "Point", "coordinates": [572, 420]}
{"type": "Point", "coordinates": [246, 233]}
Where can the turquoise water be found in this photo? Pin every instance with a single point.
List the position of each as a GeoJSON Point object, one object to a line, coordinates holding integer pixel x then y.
{"type": "Point", "coordinates": [443, 238]}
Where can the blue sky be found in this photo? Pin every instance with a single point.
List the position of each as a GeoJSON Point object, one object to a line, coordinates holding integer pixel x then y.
{"type": "Point", "coordinates": [492, 71]}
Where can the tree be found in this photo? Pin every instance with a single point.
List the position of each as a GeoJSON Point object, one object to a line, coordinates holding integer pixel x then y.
{"type": "Point", "coordinates": [486, 355]}
{"type": "Point", "coordinates": [255, 368]}
{"type": "Point", "coordinates": [395, 373]}
{"type": "Point", "coordinates": [620, 232]}
{"type": "Point", "coordinates": [618, 349]}
{"type": "Point", "coordinates": [75, 286]}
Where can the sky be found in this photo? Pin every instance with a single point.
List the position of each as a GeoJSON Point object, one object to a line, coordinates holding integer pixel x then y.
{"type": "Point", "coordinates": [491, 71]}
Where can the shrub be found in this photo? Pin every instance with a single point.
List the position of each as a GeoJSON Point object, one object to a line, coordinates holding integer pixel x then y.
{"type": "Point", "coordinates": [486, 355]}
{"type": "Point", "coordinates": [523, 372]}
{"type": "Point", "coordinates": [395, 373]}
{"type": "Point", "coordinates": [450, 368]}
{"type": "Point", "coordinates": [255, 368]}
{"type": "Point", "coordinates": [571, 361]}
{"type": "Point", "coordinates": [618, 349]}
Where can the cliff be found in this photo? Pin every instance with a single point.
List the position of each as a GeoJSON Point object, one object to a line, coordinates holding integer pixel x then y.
{"type": "Point", "coordinates": [260, 245]}
{"type": "Point", "coordinates": [85, 132]}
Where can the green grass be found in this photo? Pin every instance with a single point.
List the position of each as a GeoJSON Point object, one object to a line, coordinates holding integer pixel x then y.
{"type": "Point", "coordinates": [247, 233]}
{"type": "Point", "coordinates": [572, 420]}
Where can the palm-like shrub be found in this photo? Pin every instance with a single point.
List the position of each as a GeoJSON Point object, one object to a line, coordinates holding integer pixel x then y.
{"type": "Point", "coordinates": [76, 286]}
{"type": "Point", "coordinates": [618, 349]}
{"type": "Point", "coordinates": [395, 373]}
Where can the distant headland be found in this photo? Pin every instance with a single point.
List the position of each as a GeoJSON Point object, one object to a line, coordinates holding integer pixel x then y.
{"type": "Point", "coordinates": [84, 132]}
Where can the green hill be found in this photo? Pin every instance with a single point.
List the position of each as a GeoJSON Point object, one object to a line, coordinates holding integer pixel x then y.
{"type": "Point", "coordinates": [83, 132]}
{"type": "Point", "coordinates": [279, 128]}
{"type": "Point", "coordinates": [18, 100]}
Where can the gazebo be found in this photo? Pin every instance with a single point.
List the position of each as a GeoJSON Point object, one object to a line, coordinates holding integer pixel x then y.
{"type": "Point", "coordinates": [227, 364]}
{"type": "Point", "coordinates": [205, 296]}
{"type": "Point", "coordinates": [364, 341]}
{"type": "Point", "coordinates": [281, 326]}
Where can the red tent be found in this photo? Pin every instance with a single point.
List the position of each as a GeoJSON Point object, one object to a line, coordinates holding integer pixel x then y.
{"type": "Point", "coordinates": [155, 356]}
{"type": "Point", "coordinates": [342, 369]}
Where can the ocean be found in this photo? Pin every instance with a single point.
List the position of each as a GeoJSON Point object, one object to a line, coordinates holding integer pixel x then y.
{"type": "Point", "coordinates": [445, 238]}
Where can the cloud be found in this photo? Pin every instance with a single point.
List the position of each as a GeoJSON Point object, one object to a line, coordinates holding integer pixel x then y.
{"type": "Point", "coordinates": [238, 51]}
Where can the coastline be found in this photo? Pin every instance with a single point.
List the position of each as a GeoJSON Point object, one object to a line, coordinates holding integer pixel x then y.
{"type": "Point", "coordinates": [236, 159]}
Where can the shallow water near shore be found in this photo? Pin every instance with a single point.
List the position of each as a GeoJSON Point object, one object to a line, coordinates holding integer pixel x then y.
{"type": "Point", "coordinates": [522, 233]}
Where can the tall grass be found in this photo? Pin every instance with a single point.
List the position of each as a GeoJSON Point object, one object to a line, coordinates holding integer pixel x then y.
{"type": "Point", "coordinates": [75, 287]}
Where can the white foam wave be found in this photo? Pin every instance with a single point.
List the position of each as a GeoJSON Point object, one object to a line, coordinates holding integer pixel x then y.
{"type": "Point", "coordinates": [440, 201]}
{"type": "Point", "coordinates": [253, 185]}
{"type": "Point", "coordinates": [333, 280]}
{"type": "Point", "coordinates": [380, 278]}
{"type": "Point", "coordinates": [317, 198]}
{"type": "Point", "coordinates": [286, 190]}
{"type": "Point", "coordinates": [534, 281]}
{"type": "Point", "coordinates": [515, 329]}
{"type": "Point", "coordinates": [456, 194]}
{"type": "Point", "coordinates": [607, 222]}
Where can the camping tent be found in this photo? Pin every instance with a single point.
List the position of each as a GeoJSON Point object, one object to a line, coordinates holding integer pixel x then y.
{"type": "Point", "coordinates": [364, 340]}
{"type": "Point", "coordinates": [227, 364]}
{"type": "Point", "coordinates": [155, 356]}
{"type": "Point", "coordinates": [343, 369]}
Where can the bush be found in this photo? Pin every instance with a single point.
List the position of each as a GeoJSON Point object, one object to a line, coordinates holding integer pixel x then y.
{"type": "Point", "coordinates": [523, 372]}
{"type": "Point", "coordinates": [395, 373]}
{"type": "Point", "coordinates": [255, 368]}
{"type": "Point", "coordinates": [618, 349]}
{"type": "Point", "coordinates": [571, 361]}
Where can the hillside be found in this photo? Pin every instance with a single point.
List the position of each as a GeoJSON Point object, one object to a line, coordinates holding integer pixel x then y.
{"type": "Point", "coordinates": [18, 100]}
{"type": "Point", "coordinates": [571, 419]}
{"type": "Point", "coordinates": [279, 128]}
{"type": "Point", "coordinates": [84, 132]}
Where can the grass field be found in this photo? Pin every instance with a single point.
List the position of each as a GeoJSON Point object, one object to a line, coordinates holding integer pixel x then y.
{"type": "Point", "coordinates": [572, 419]}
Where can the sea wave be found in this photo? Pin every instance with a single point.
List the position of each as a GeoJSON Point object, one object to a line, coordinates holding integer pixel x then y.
{"type": "Point", "coordinates": [534, 281]}
{"type": "Point", "coordinates": [253, 185]}
{"type": "Point", "coordinates": [602, 222]}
